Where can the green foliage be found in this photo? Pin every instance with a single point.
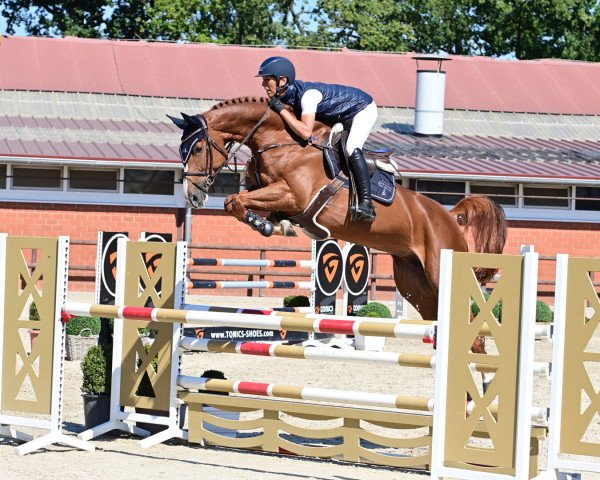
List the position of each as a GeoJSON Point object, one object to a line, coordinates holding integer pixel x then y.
{"type": "Point", "coordinates": [296, 301]}
{"type": "Point", "coordinates": [215, 374]}
{"type": "Point", "coordinates": [374, 309]}
{"type": "Point", "coordinates": [497, 310]}
{"type": "Point", "coordinates": [77, 325]}
{"type": "Point", "coordinates": [96, 369]}
{"type": "Point", "coordinates": [33, 312]}
{"type": "Point", "coordinates": [526, 29]}
{"type": "Point", "coordinates": [543, 313]}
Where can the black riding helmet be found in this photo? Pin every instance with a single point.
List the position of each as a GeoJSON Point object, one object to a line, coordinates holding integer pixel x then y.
{"type": "Point", "coordinates": [278, 67]}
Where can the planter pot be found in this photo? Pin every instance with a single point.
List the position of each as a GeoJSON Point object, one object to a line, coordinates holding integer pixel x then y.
{"type": "Point", "coordinates": [369, 344]}
{"type": "Point", "coordinates": [96, 409]}
{"type": "Point", "coordinates": [225, 432]}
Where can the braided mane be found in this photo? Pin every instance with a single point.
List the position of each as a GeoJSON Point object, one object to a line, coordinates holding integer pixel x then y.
{"type": "Point", "coordinates": [233, 101]}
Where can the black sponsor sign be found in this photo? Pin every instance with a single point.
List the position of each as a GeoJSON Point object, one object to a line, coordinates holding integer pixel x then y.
{"type": "Point", "coordinates": [357, 268]}
{"type": "Point", "coordinates": [328, 275]}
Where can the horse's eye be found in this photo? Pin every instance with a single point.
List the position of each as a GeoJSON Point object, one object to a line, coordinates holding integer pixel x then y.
{"type": "Point", "coordinates": [197, 150]}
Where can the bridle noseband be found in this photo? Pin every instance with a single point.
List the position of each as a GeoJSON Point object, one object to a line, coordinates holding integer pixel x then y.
{"type": "Point", "coordinates": [188, 142]}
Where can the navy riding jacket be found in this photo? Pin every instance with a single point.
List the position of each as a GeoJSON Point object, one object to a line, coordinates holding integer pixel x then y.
{"type": "Point", "coordinates": [340, 103]}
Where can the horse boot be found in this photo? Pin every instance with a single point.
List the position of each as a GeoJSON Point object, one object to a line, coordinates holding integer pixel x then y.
{"type": "Point", "coordinates": [360, 171]}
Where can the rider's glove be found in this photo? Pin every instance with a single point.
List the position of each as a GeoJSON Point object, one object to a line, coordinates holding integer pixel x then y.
{"type": "Point", "coordinates": [276, 105]}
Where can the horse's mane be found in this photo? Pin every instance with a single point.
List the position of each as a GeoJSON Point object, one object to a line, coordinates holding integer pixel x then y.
{"type": "Point", "coordinates": [254, 102]}
{"type": "Point", "coordinates": [233, 101]}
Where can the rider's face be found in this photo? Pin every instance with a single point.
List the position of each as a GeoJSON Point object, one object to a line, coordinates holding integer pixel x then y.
{"type": "Point", "coordinates": [270, 86]}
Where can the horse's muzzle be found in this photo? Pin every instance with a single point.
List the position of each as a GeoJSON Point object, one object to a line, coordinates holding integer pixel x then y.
{"type": "Point", "coordinates": [195, 194]}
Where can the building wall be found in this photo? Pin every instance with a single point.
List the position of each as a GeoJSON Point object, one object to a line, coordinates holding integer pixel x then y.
{"type": "Point", "coordinates": [214, 228]}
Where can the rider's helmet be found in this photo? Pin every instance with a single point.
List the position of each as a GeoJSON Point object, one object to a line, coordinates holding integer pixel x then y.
{"type": "Point", "coordinates": [277, 67]}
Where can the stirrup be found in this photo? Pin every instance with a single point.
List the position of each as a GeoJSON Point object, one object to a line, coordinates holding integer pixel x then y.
{"type": "Point", "coordinates": [363, 211]}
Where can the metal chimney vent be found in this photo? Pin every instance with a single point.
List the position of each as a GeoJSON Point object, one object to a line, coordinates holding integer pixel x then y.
{"type": "Point", "coordinates": [431, 90]}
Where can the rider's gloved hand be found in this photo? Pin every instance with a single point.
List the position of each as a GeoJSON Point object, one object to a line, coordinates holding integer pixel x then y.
{"type": "Point", "coordinates": [276, 105]}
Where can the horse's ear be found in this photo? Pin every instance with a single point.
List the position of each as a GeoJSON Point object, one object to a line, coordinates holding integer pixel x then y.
{"type": "Point", "coordinates": [177, 121]}
{"type": "Point", "coordinates": [189, 119]}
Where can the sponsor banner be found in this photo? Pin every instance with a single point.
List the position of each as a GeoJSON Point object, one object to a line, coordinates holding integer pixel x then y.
{"type": "Point", "coordinates": [106, 277]}
{"type": "Point", "coordinates": [245, 334]}
{"type": "Point", "coordinates": [328, 275]}
{"type": "Point", "coordinates": [357, 269]}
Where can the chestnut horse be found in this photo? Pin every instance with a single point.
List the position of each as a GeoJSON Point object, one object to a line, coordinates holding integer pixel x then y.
{"type": "Point", "coordinates": [286, 173]}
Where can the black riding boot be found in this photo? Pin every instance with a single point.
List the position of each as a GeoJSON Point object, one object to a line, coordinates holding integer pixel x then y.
{"type": "Point", "coordinates": [360, 172]}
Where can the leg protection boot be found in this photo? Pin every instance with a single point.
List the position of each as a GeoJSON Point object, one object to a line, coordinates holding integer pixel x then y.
{"type": "Point", "coordinates": [360, 172]}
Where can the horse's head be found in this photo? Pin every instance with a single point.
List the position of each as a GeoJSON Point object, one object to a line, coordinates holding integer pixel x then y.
{"type": "Point", "coordinates": [203, 155]}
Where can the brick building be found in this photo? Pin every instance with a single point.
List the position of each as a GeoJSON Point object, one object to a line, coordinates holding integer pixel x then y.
{"type": "Point", "coordinates": [85, 144]}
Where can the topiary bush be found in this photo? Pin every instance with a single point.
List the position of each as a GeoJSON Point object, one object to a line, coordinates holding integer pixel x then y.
{"type": "Point", "coordinates": [76, 325]}
{"type": "Point", "coordinates": [374, 309]}
{"type": "Point", "coordinates": [296, 301]}
{"type": "Point", "coordinates": [33, 312]}
{"type": "Point", "coordinates": [96, 369]}
{"type": "Point", "coordinates": [543, 312]}
{"type": "Point", "coordinates": [497, 310]}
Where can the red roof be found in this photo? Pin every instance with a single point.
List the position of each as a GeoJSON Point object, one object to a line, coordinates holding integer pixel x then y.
{"type": "Point", "coordinates": [211, 71]}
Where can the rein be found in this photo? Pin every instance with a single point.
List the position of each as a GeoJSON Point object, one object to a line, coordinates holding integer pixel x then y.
{"type": "Point", "coordinates": [210, 143]}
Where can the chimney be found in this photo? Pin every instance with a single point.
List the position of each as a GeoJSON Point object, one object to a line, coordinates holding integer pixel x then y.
{"type": "Point", "coordinates": [431, 89]}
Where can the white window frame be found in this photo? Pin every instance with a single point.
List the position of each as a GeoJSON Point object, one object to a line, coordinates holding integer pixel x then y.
{"type": "Point", "coordinates": [569, 197]}
{"type": "Point", "coordinates": [91, 197]}
{"type": "Point", "coordinates": [90, 190]}
{"type": "Point", "coordinates": [60, 187]}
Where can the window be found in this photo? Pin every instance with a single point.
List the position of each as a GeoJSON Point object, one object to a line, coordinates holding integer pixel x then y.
{"type": "Point", "coordinates": [441, 191]}
{"type": "Point", "coordinates": [39, 178]}
{"type": "Point", "coordinates": [225, 184]}
{"type": "Point", "coordinates": [152, 182]}
{"type": "Point", "coordinates": [105, 180]}
{"type": "Point", "coordinates": [587, 198]}
{"type": "Point", "coordinates": [2, 177]}
{"type": "Point", "coordinates": [505, 195]}
{"type": "Point", "coordinates": [555, 197]}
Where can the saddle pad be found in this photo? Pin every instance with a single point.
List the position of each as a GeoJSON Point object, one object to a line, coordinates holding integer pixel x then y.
{"type": "Point", "coordinates": [383, 187]}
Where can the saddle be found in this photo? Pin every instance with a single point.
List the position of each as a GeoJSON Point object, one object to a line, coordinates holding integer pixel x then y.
{"type": "Point", "coordinates": [334, 151]}
{"type": "Point", "coordinates": [381, 170]}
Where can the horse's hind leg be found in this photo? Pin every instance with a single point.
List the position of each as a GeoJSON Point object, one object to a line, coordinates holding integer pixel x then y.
{"type": "Point", "coordinates": [413, 284]}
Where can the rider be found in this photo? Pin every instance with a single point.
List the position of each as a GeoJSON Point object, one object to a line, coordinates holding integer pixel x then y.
{"type": "Point", "coordinates": [329, 104]}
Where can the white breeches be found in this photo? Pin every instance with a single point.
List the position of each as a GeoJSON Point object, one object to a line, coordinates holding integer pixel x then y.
{"type": "Point", "coordinates": [362, 123]}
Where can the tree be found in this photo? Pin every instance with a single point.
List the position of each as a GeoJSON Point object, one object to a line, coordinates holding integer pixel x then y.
{"type": "Point", "coordinates": [367, 24]}
{"type": "Point", "coordinates": [77, 18]}
{"type": "Point", "coordinates": [532, 29]}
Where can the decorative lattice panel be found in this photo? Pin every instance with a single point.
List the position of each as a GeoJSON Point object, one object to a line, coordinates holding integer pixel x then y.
{"type": "Point", "coordinates": [150, 280]}
{"type": "Point", "coordinates": [581, 379]}
{"type": "Point", "coordinates": [27, 372]}
{"type": "Point", "coordinates": [463, 446]}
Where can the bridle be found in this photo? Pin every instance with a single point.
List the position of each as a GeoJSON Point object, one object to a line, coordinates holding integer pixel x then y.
{"type": "Point", "coordinates": [189, 142]}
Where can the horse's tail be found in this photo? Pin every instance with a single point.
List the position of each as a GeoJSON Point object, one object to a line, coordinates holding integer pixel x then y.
{"type": "Point", "coordinates": [485, 220]}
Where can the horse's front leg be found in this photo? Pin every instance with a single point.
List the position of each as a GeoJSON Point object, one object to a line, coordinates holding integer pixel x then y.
{"type": "Point", "coordinates": [272, 198]}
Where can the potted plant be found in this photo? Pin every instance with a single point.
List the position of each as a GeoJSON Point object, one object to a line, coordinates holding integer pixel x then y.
{"type": "Point", "coordinates": [34, 316]}
{"type": "Point", "coordinates": [96, 370]}
{"type": "Point", "coordinates": [375, 310]}
{"type": "Point", "coordinates": [82, 334]}
{"type": "Point", "coordinates": [217, 412]}
{"type": "Point", "coordinates": [296, 301]}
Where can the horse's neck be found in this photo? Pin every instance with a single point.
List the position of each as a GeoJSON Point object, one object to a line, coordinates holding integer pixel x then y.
{"type": "Point", "coordinates": [236, 122]}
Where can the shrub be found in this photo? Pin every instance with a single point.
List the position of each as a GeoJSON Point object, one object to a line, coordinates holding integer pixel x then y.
{"type": "Point", "coordinates": [215, 374]}
{"type": "Point", "coordinates": [497, 310]}
{"type": "Point", "coordinates": [33, 312]}
{"type": "Point", "coordinates": [77, 324]}
{"type": "Point", "coordinates": [543, 313]}
{"type": "Point", "coordinates": [374, 309]}
{"type": "Point", "coordinates": [96, 369]}
{"type": "Point", "coordinates": [296, 301]}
